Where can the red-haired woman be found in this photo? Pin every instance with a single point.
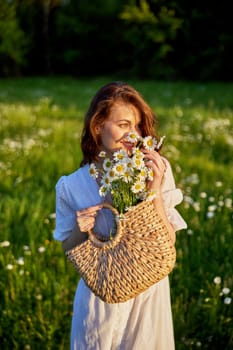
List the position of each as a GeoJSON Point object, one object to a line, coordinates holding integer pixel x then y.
{"type": "Point", "coordinates": [143, 322]}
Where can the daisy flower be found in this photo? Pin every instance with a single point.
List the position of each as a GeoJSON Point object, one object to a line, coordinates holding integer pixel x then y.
{"type": "Point", "coordinates": [107, 164]}
{"type": "Point", "coordinates": [137, 187]}
{"type": "Point", "coordinates": [119, 155]}
{"type": "Point", "coordinates": [150, 174]}
{"type": "Point", "coordinates": [151, 195]}
{"type": "Point", "coordinates": [138, 163]}
{"type": "Point", "coordinates": [93, 171]}
{"type": "Point", "coordinates": [111, 175]}
{"type": "Point", "coordinates": [106, 181]}
{"type": "Point", "coordinates": [143, 174]}
{"type": "Point", "coordinates": [102, 154]}
{"type": "Point", "coordinates": [149, 143]}
{"type": "Point", "coordinates": [103, 191]}
{"type": "Point", "coordinates": [119, 169]}
{"type": "Point", "coordinates": [133, 137]}
{"type": "Point", "coordinates": [127, 176]}
{"type": "Point", "coordinates": [129, 165]}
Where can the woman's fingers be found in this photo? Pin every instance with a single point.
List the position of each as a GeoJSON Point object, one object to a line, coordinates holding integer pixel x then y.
{"type": "Point", "coordinates": [91, 211]}
{"type": "Point", "coordinates": [155, 161]}
{"type": "Point", "coordinates": [86, 218]}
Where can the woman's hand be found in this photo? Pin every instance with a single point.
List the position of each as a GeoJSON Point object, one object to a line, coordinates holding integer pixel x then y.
{"type": "Point", "coordinates": [158, 165]}
{"type": "Point", "coordinates": [86, 218]}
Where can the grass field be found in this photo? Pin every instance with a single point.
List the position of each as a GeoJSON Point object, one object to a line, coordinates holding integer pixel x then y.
{"type": "Point", "coordinates": [40, 124]}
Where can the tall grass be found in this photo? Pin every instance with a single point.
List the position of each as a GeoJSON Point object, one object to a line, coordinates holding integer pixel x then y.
{"type": "Point", "coordinates": [40, 121]}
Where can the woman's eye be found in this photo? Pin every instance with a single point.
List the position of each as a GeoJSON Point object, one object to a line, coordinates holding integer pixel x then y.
{"type": "Point", "coordinates": [123, 125]}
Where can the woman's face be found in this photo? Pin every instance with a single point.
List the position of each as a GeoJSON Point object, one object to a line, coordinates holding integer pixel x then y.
{"type": "Point", "coordinates": [122, 119]}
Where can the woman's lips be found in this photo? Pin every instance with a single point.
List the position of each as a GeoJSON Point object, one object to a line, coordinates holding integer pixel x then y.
{"type": "Point", "coordinates": [127, 144]}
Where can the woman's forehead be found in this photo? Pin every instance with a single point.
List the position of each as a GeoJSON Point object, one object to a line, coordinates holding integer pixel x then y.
{"type": "Point", "coordinates": [124, 111]}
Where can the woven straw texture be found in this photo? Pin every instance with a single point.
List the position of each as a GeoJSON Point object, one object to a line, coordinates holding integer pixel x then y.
{"type": "Point", "coordinates": [140, 254]}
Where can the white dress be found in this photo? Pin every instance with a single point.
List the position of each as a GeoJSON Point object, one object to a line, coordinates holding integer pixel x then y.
{"type": "Point", "coordinates": [144, 322]}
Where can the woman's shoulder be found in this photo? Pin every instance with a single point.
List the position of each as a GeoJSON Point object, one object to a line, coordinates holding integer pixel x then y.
{"type": "Point", "coordinates": [72, 180]}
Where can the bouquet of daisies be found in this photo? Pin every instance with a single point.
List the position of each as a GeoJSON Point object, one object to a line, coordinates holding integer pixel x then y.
{"type": "Point", "coordinates": [126, 175]}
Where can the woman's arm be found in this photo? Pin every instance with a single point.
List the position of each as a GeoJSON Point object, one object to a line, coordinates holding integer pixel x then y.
{"type": "Point", "coordinates": [75, 238]}
{"type": "Point", "coordinates": [159, 166]}
{"type": "Point", "coordinates": [159, 206]}
{"type": "Point", "coordinates": [85, 222]}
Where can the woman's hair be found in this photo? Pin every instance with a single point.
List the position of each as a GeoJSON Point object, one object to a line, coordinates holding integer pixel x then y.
{"type": "Point", "coordinates": [99, 111]}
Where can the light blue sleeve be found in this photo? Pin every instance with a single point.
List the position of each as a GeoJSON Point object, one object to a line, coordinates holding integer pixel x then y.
{"type": "Point", "coordinates": [65, 213]}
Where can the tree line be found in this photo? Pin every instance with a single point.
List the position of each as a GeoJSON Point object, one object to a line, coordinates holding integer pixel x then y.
{"type": "Point", "coordinates": [162, 39]}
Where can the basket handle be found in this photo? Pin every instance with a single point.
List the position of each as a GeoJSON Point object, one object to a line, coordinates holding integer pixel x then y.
{"type": "Point", "coordinates": [95, 237]}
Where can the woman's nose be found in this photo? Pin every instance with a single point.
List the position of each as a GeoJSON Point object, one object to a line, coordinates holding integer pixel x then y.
{"type": "Point", "coordinates": [136, 130]}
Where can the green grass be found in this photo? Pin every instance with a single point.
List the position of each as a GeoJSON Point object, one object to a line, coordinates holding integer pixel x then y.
{"type": "Point", "coordinates": [40, 124]}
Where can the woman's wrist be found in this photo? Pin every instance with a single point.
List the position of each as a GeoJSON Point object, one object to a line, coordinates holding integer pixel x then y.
{"type": "Point", "coordinates": [159, 206]}
{"type": "Point", "coordinates": [76, 237]}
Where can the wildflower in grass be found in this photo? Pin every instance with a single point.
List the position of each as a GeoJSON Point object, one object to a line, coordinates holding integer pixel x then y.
{"type": "Point", "coordinates": [41, 249]}
{"type": "Point", "coordinates": [226, 290]}
{"type": "Point", "coordinates": [210, 214]}
{"type": "Point", "coordinates": [190, 232]}
{"type": "Point", "coordinates": [227, 300]}
{"type": "Point", "coordinates": [228, 203]}
{"type": "Point", "coordinates": [52, 216]}
{"type": "Point", "coordinates": [21, 272]}
{"type": "Point", "coordinates": [212, 207]}
{"type": "Point", "coordinates": [218, 184]}
{"type": "Point", "coordinates": [196, 206]}
{"type": "Point", "coordinates": [93, 171]}
{"type": "Point", "coordinates": [188, 199]}
{"type": "Point", "coordinates": [20, 261]}
{"type": "Point", "coordinates": [203, 194]}
{"type": "Point", "coordinates": [217, 280]}
{"type": "Point", "coordinates": [193, 179]}
{"type": "Point", "coordinates": [4, 244]}
{"type": "Point", "coordinates": [9, 267]}
{"type": "Point", "coordinates": [211, 199]}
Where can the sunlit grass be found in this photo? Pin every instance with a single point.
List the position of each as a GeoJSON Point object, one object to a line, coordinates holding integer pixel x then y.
{"type": "Point", "coordinates": [40, 125]}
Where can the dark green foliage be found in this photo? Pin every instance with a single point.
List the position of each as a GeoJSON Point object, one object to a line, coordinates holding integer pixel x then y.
{"type": "Point", "coordinates": [13, 43]}
{"type": "Point", "coordinates": [154, 39]}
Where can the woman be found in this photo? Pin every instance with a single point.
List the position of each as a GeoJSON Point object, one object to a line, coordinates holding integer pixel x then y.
{"type": "Point", "coordinates": [144, 322]}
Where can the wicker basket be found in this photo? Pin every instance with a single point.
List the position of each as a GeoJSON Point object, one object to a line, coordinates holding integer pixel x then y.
{"type": "Point", "coordinates": [140, 254]}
